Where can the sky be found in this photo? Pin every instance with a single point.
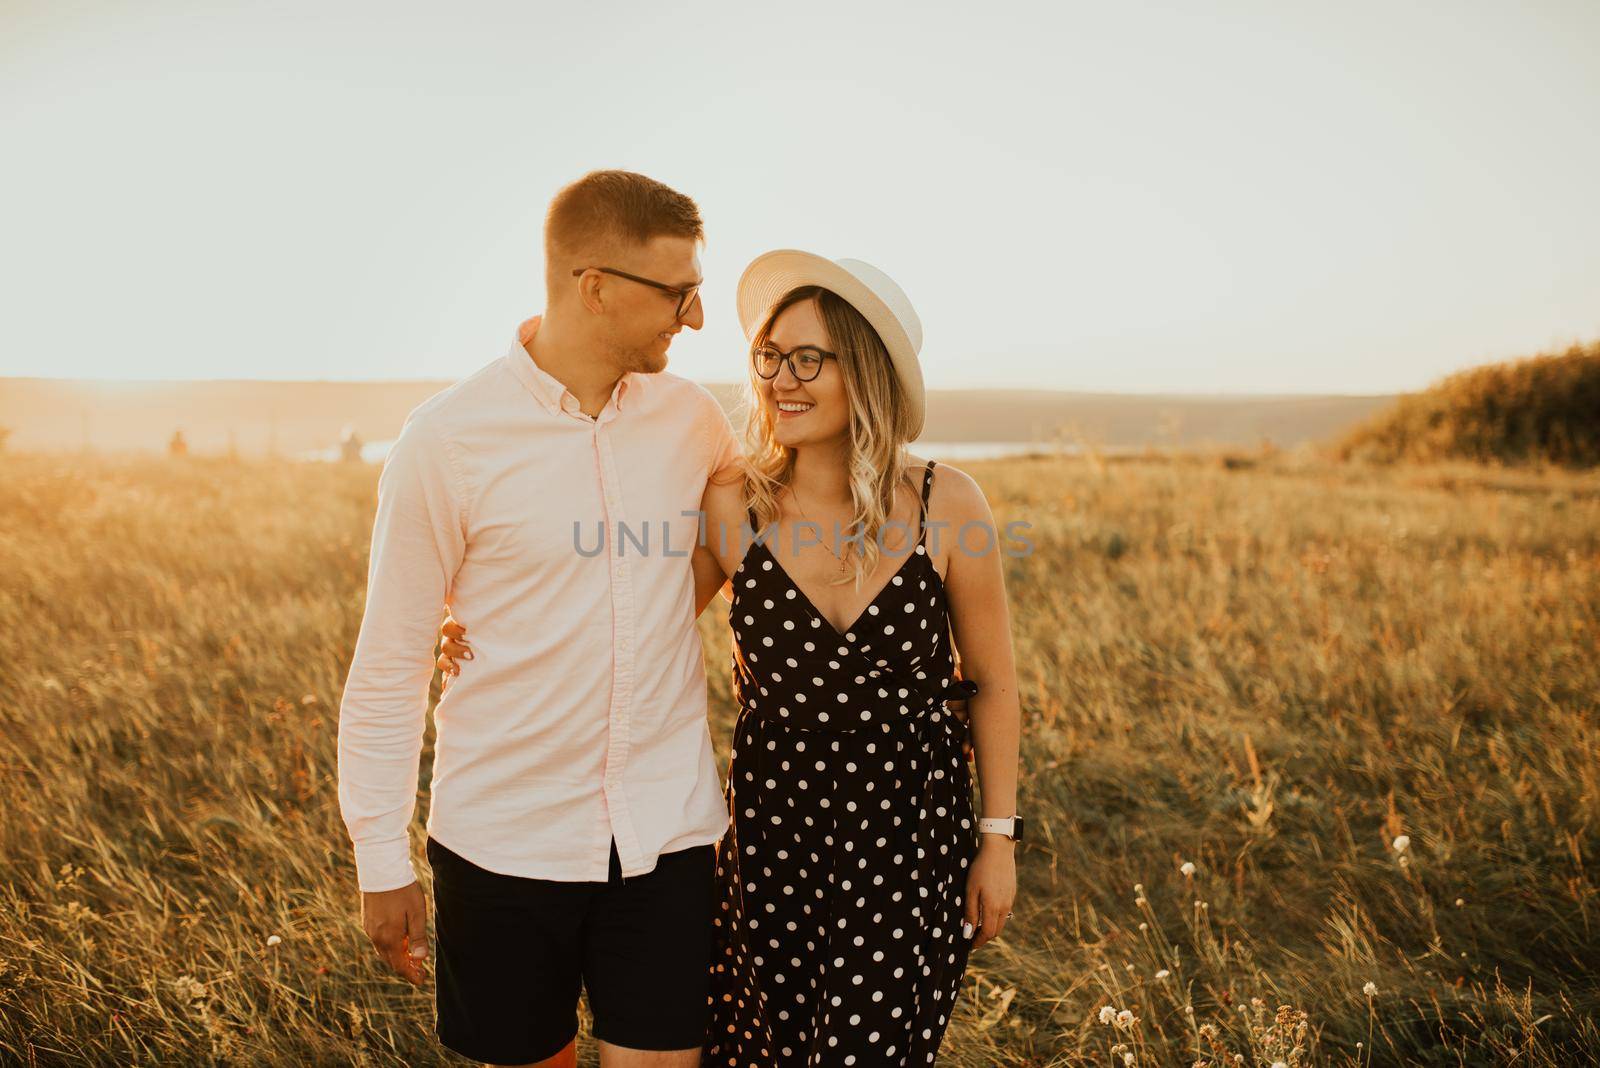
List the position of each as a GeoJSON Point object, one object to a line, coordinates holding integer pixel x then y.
{"type": "Point", "coordinates": [1220, 197]}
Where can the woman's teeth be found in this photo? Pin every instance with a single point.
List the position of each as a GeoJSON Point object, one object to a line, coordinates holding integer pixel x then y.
{"type": "Point", "coordinates": [794, 407]}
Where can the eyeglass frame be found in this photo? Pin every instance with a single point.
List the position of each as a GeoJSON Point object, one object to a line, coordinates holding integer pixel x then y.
{"type": "Point", "coordinates": [788, 358]}
{"type": "Point", "coordinates": [686, 295]}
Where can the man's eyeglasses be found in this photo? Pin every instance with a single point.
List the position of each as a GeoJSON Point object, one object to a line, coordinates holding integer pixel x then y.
{"type": "Point", "coordinates": [805, 362]}
{"type": "Point", "coordinates": [686, 295]}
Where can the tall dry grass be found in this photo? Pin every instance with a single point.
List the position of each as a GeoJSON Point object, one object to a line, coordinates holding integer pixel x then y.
{"type": "Point", "coordinates": [1268, 673]}
{"type": "Point", "coordinates": [1541, 410]}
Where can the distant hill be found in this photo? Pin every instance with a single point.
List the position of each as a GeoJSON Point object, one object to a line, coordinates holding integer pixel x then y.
{"type": "Point", "coordinates": [292, 418]}
{"type": "Point", "coordinates": [1542, 409]}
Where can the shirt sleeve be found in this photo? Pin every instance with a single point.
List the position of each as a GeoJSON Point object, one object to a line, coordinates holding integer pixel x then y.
{"type": "Point", "coordinates": [418, 542]}
{"type": "Point", "coordinates": [726, 450]}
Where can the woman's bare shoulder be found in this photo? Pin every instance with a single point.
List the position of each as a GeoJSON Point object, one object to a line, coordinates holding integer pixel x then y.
{"type": "Point", "coordinates": [954, 494]}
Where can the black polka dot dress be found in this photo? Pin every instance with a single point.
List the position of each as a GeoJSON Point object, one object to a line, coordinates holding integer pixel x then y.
{"type": "Point", "coordinates": [841, 880]}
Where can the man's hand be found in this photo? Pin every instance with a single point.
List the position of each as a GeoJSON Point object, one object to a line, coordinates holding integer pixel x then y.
{"type": "Point", "coordinates": [397, 923]}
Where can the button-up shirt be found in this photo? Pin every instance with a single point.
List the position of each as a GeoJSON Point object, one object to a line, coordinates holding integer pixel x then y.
{"type": "Point", "coordinates": [563, 544]}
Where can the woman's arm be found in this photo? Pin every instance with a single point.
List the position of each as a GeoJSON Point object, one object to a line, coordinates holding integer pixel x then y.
{"type": "Point", "coordinates": [981, 621]}
{"type": "Point", "coordinates": [708, 577]}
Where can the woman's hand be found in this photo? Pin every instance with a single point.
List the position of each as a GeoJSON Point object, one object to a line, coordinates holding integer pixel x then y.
{"type": "Point", "coordinates": [453, 647]}
{"type": "Point", "coordinates": [991, 888]}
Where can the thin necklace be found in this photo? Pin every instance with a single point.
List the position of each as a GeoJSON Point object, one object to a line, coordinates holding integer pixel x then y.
{"type": "Point", "coordinates": [807, 518]}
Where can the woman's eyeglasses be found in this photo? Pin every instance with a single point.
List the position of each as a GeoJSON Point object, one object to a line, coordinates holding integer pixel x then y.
{"type": "Point", "coordinates": [805, 362]}
{"type": "Point", "coordinates": [686, 295]}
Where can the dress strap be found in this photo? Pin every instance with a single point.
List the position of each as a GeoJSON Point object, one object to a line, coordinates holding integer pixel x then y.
{"type": "Point", "coordinates": [927, 484]}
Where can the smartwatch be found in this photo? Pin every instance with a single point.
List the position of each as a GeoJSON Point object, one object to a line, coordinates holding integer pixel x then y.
{"type": "Point", "coordinates": [1011, 827]}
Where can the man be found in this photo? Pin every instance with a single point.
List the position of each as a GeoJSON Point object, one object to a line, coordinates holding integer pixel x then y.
{"type": "Point", "coordinates": [575, 794]}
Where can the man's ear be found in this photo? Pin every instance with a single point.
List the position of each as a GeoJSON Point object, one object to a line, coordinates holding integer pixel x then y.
{"type": "Point", "coordinates": [590, 291]}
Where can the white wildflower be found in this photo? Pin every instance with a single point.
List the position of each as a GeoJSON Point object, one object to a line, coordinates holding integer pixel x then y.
{"type": "Point", "coordinates": [1162, 974]}
{"type": "Point", "coordinates": [1108, 1014]}
{"type": "Point", "coordinates": [273, 940]}
{"type": "Point", "coordinates": [1127, 1058]}
{"type": "Point", "coordinates": [1402, 843]}
{"type": "Point", "coordinates": [1187, 869]}
{"type": "Point", "coordinates": [1371, 989]}
{"type": "Point", "coordinates": [1125, 1018]}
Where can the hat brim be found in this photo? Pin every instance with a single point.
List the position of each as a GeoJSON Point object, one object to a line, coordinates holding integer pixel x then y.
{"type": "Point", "coordinates": [773, 274]}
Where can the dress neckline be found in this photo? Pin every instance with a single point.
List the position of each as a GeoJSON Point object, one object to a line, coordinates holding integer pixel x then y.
{"type": "Point", "coordinates": [918, 550]}
{"type": "Point", "coordinates": [812, 605]}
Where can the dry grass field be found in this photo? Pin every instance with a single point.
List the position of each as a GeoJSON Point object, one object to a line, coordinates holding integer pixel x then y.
{"type": "Point", "coordinates": [1362, 704]}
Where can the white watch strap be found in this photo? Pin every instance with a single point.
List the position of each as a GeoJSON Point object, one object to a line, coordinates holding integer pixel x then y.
{"type": "Point", "coordinates": [1005, 826]}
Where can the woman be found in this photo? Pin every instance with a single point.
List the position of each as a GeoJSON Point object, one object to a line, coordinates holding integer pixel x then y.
{"type": "Point", "coordinates": [853, 883]}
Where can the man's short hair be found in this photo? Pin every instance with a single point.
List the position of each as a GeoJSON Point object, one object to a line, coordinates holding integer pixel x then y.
{"type": "Point", "coordinates": [608, 210]}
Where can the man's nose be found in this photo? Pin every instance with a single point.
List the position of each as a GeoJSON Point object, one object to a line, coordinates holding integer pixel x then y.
{"type": "Point", "coordinates": [695, 317]}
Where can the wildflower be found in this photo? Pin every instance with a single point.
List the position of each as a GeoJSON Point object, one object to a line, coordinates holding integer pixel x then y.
{"type": "Point", "coordinates": [1402, 843]}
{"type": "Point", "coordinates": [1108, 1015]}
{"type": "Point", "coordinates": [1162, 974]}
{"type": "Point", "coordinates": [1279, 1064]}
{"type": "Point", "coordinates": [1460, 903]}
{"type": "Point", "coordinates": [1144, 927]}
{"type": "Point", "coordinates": [1188, 1010]}
{"type": "Point", "coordinates": [1125, 1018]}
{"type": "Point", "coordinates": [1127, 1058]}
{"type": "Point", "coordinates": [1138, 888]}
{"type": "Point", "coordinates": [273, 940]}
{"type": "Point", "coordinates": [1371, 989]}
{"type": "Point", "coordinates": [189, 988]}
{"type": "Point", "coordinates": [1187, 869]}
{"type": "Point", "coordinates": [1141, 902]}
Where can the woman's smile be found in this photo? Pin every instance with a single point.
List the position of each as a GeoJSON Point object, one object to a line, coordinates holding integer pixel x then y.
{"type": "Point", "coordinates": [791, 409]}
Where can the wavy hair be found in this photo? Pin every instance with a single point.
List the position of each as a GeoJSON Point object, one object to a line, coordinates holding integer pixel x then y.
{"type": "Point", "coordinates": [880, 425]}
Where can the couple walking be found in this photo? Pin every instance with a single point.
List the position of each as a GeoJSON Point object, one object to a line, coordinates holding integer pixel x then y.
{"type": "Point", "coordinates": [577, 507]}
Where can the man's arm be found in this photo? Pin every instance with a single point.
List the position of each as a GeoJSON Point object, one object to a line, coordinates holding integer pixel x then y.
{"type": "Point", "coordinates": [418, 541]}
{"type": "Point", "coordinates": [724, 484]}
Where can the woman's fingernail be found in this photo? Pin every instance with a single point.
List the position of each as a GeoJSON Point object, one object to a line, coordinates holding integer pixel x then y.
{"type": "Point", "coordinates": [966, 929]}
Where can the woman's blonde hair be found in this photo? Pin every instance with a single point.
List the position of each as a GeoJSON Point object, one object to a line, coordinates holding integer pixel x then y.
{"type": "Point", "coordinates": [880, 425]}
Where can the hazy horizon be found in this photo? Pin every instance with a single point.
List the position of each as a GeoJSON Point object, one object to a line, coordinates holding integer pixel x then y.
{"type": "Point", "coordinates": [710, 382]}
{"type": "Point", "coordinates": [1245, 199]}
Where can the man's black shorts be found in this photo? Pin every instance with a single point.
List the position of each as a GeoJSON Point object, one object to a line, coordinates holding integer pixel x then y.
{"type": "Point", "coordinates": [512, 953]}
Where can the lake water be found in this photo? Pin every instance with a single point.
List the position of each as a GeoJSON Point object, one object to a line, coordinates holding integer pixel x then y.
{"type": "Point", "coordinates": [373, 452]}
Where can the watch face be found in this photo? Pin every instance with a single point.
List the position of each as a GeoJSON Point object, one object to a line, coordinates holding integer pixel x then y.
{"type": "Point", "coordinates": [1016, 829]}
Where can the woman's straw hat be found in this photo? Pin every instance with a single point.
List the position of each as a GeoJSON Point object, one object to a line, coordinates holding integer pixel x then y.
{"type": "Point", "coordinates": [861, 285]}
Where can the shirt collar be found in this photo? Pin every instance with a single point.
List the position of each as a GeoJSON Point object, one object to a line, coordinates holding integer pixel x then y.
{"type": "Point", "coordinates": [545, 387]}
